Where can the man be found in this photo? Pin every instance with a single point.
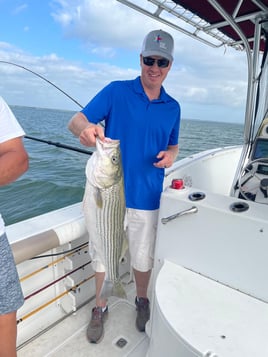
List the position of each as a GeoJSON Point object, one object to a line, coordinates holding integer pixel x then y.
{"type": "Point", "coordinates": [146, 121]}
{"type": "Point", "coordinates": [13, 163]}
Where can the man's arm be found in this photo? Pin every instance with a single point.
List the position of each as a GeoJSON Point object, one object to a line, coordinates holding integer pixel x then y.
{"type": "Point", "coordinates": [86, 131]}
{"type": "Point", "coordinates": [166, 158]}
{"type": "Point", "coordinates": [78, 123]}
{"type": "Point", "coordinates": [174, 149]}
{"type": "Point", "coordinates": [14, 160]}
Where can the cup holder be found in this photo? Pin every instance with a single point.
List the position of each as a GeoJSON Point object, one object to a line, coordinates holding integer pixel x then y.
{"type": "Point", "coordinates": [239, 207]}
{"type": "Point", "coordinates": [196, 196]}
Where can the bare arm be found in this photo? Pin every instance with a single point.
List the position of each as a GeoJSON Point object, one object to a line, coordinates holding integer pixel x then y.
{"type": "Point", "coordinates": [86, 131]}
{"type": "Point", "coordinates": [167, 157]}
{"type": "Point", "coordinates": [174, 150]}
{"type": "Point", "coordinates": [14, 160]}
{"type": "Point", "coordinates": [78, 123]}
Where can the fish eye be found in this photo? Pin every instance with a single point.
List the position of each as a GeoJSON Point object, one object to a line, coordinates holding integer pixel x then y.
{"type": "Point", "coordinates": [115, 159]}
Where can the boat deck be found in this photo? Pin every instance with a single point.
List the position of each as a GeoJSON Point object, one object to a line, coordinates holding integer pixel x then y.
{"type": "Point", "coordinates": [198, 316]}
{"type": "Point", "coordinates": [68, 338]}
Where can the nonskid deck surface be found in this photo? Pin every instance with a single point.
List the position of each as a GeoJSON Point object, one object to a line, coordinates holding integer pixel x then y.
{"type": "Point", "coordinates": [68, 338]}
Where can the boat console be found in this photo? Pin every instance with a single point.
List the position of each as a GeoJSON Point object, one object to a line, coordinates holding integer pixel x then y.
{"type": "Point", "coordinates": [253, 183]}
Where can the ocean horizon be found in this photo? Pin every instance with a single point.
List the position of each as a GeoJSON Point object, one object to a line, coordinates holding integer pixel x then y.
{"type": "Point", "coordinates": [56, 176]}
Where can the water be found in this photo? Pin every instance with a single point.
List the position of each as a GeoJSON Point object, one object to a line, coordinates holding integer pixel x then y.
{"type": "Point", "coordinates": [197, 135]}
{"type": "Point", "coordinates": [56, 176]}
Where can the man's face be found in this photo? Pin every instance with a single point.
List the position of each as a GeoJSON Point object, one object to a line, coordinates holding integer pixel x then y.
{"type": "Point", "coordinates": [154, 70]}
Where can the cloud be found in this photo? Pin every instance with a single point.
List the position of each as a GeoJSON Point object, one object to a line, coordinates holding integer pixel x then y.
{"type": "Point", "coordinates": [201, 77]}
{"type": "Point", "coordinates": [22, 74]}
{"type": "Point", "coordinates": [17, 10]}
{"type": "Point", "coordinates": [202, 74]}
{"type": "Point", "coordinates": [105, 23]}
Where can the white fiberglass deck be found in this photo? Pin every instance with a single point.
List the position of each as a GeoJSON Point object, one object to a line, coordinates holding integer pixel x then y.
{"type": "Point", "coordinates": [68, 338]}
{"type": "Point", "coordinates": [205, 318]}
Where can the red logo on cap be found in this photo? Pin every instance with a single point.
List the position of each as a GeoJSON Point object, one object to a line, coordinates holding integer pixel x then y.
{"type": "Point", "coordinates": [158, 38]}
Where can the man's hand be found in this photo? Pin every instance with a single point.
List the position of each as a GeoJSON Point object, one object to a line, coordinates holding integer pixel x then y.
{"type": "Point", "coordinates": [89, 134]}
{"type": "Point", "coordinates": [166, 158]}
{"type": "Point", "coordinates": [86, 131]}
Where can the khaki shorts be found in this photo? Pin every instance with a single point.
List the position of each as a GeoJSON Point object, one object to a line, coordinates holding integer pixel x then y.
{"type": "Point", "coordinates": [141, 232]}
{"type": "Point", "coordinates": [140, 228]}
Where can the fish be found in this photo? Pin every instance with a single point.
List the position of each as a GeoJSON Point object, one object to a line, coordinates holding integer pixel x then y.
{"type": "Point", "coordinates": [104, 211]}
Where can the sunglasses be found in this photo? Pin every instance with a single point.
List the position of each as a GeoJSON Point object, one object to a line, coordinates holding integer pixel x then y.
{"type": "Point", "coordinates": [162, 62]}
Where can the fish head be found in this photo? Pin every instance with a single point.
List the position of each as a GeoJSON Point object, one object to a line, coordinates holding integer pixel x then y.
{"type": "Point", "coordinates": [108, 165]}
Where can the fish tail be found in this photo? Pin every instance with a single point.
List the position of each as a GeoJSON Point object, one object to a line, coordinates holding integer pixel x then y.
{"type": "Point", "coordinates": [112, 288]}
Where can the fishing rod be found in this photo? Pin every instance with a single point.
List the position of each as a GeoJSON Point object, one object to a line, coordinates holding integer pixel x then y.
{"type": "Point", "coordinates": [45, 79]}
{"type": "Point", "coordinates": [68, 147]}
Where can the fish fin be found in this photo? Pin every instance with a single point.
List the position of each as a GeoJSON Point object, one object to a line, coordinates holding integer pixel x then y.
{"type": "Point", "coordinates": [112, 288]}
{"type": "Point", "coordinates": [98, 198]}
{"type": "Point", "coordinates": [122, 258]}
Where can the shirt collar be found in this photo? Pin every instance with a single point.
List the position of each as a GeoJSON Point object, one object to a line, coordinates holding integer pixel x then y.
{"type": "Point", "coordinates": [139, 89]}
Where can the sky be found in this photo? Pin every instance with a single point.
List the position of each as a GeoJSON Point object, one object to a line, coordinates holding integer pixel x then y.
{"type": "Point", "coordinates": [82, 45]}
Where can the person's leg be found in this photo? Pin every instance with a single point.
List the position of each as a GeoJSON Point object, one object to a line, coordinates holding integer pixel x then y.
{"type": "Point", "coordinates": [11, 298]}
{"type": "Point", "coordinates": [142, 280]}
{"type": "Point", "coordinates": [99, 279]}
{"type": "Point", "coordinates": [142, 302]}
{"type": "Point", "coordinates": [141, 231]}
{"type": "Point", "coordinates": [95, 328]}
{"type": "Point", "coordinates": [8, 335]}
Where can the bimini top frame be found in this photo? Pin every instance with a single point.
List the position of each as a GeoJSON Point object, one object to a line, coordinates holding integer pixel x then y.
{"type": "Point", "coordinates": [205, 20]}
{"type": "Point", "coordinates": [235, 23]}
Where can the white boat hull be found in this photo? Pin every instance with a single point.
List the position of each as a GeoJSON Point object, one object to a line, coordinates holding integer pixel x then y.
{"type": "Point", "coordinates": [203, 260]}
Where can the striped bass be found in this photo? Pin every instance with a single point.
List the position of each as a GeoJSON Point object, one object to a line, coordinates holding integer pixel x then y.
{"type": "Point", "coordinates": [104, 211]}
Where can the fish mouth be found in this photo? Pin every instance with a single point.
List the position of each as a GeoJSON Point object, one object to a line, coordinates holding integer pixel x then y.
{"type": "Point", "coordinates": [108, 142]}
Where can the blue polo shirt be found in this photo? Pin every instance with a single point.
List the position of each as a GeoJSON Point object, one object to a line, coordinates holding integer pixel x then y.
{"type": "Point", "coordinates": [144, 128]}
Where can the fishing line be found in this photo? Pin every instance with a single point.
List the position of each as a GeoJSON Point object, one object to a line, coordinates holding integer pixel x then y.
{"type": "Point", "coordinates": [53, 263]}
{"type": "Point", "coordinates": [45, 79]}
{"type": "Point", "coordinates": [73, 250]}
{"type": "Point", "coordinates": [62, 91]}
